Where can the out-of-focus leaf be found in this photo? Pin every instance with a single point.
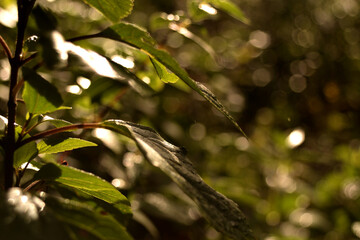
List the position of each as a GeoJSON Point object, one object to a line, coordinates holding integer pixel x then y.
{"type": "Point", "coordinates": [186, 33]}
{"type": "Point", "coordinates": [220, 211]}
{"type": "Point", "coordinates": [23, 216]}
{"type": "Point", "coordinates": [44, 18]}
{"type": "Point", "coordinates": [56, 145]}
{"type": "Point", "coordinates": [85, 182]}
{"type": "Point", "coordinates": [85, 217]}
{"type": "Point", "coordinates": [39, 95]}
{"type": "Point", "coordinates": [230, 8]}
{"type": "Point", "coordinates": [108, 68]}
{"type": "Point", "coordinates": [139, 38]}
{"type": "Point", "coordinates": [198, 13]}
{"type": "Point", "coordinates": [163, 73]}
{"type": "Point", "coordinates": [25, 153]}
{"type": "Point", "coordinates": [195, 12]}
{"type": "Point", "coordinates": [52, 42]}
{"type": "Point", "coordinates": [114, 10]}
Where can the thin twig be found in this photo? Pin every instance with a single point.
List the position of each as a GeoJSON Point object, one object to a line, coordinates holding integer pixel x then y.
{"type": "Point", "coordinates": [58, 130]}
{"type": "Point", "coordinates": [6, 48]}
{"type": "Point", "coordinates": [26, 60]}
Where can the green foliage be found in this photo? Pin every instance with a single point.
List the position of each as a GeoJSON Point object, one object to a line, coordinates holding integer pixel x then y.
{"type": "Point", "coordinates": [44, 196]}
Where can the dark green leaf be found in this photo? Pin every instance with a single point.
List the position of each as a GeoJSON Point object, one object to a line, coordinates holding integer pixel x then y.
{"type": "Point", "coordinates": [39, 95]}
{"type": "Point", "coordinates": [114, 10]}
{"type": "Point", "coordinates": [83, 216]}
{"type": "Point", "coordinates": [220, 211]}
{"type": "Point", "coordinates": [139, 38]}
{"type": "Point", "coordinates": [101, 206]}
{"type": "Point", "coordinates": [25, 153]}
{"type": "Point", "coordinates": [86, 183]}
{"type": "Point", "coordinates": [56, 144]}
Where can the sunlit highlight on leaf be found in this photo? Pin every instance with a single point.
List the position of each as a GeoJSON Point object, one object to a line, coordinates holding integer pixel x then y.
{"type": "Point", "coordinates": [208, 8]}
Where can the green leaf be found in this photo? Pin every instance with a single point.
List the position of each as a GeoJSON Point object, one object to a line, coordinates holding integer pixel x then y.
{"type": "Point", "coordinates": [220, 211]}
{"type": "Point", "coordinates": [25, 153]}
{"type": "Point", "coordinates": [114, 10]}
{"type": "Point", "coordinates": [230, 8]}
{"type": "Point", "coordinates": [86, 183]}
{"type": "Point", "coordinates": [163, 73]}
{"type": "Point", "coordinates": [139, 38]}
{"type": "Point", "coordinates": [39, 95]}
{"type": "Point", "coordinates": [56, 122]}
{"type": "Point", "coordinates": [56, 144]}
{"type": "Point", "coordinates": [85, 217]}
{"type": "Point", "coordinates": [101, 206]}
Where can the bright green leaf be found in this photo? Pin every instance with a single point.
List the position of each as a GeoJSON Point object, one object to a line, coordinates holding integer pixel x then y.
{"type": "Point", "coordinates": [39, 95]}
{"type": "Point", "coordinates": [220, 211]}
{"type": "Point", "coordinates": [86, 183]}
{"type": "Point", "coordinates": [56, 145]}
{"type": "Point", "coordinates": [25, 153]}
{"type": "Point", "coordinates": [163, 73]}
{"type": "Point", "coordinates": [139, 38]}
{"type": "Point", "coordinates": [114, 10]}
{"type": "Point", "coordinates": [85, 217]}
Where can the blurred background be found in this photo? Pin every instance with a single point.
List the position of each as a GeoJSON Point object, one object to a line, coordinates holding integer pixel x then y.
{"type": "Point", "coordinates": [291, 80]}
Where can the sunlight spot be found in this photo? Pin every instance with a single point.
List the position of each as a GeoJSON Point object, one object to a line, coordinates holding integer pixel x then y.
{"type": "Point", "coordinates": [127, 62]}
{"type": "Point", "coordinates": [260, 39]}
{"type": "Point", "coordinates": [4, 70]}
{"type": "Point", "coordinates": [297, 83]}
{"type": "Point", "coordinates": [295, 138]}
{"type": "Point", "coordinates": [207, 8]}
{"type": "Point", "coordinates": [97, 62]}
{"type": "Point", "coordinates": [146, 79]}
{"type": "Point", "coordinates": [118, 183]}
{"type": "Point", "coordinates": [197, 131]}
{"type": "Point", "coordinates": [355, 227]}
{"type": "Point", "coordinates": [83, 82]}
{"type": "Point", "coordinates": [351, 189]}
{"type": "Point", "coordinates": [261, 77]}
{"type": "Point", "coordinates": [108, 137]}
{"type": "Point", "coordinates": [30, 166]}
{"type": "Point", "coordinates": [181, 30]}
{"type": "Point", "coordinates": [74, 89]}
{"type": "Point", "coordinates": [24, 199]}
{"type": "Point", "coordinates": [60, 44]}
{"type": "Point", "coordinates": [242, 143]}
{"type": "Point", "coordinates": [170, 17]}
{"type": "Point", "coordinates": [9, 17]}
